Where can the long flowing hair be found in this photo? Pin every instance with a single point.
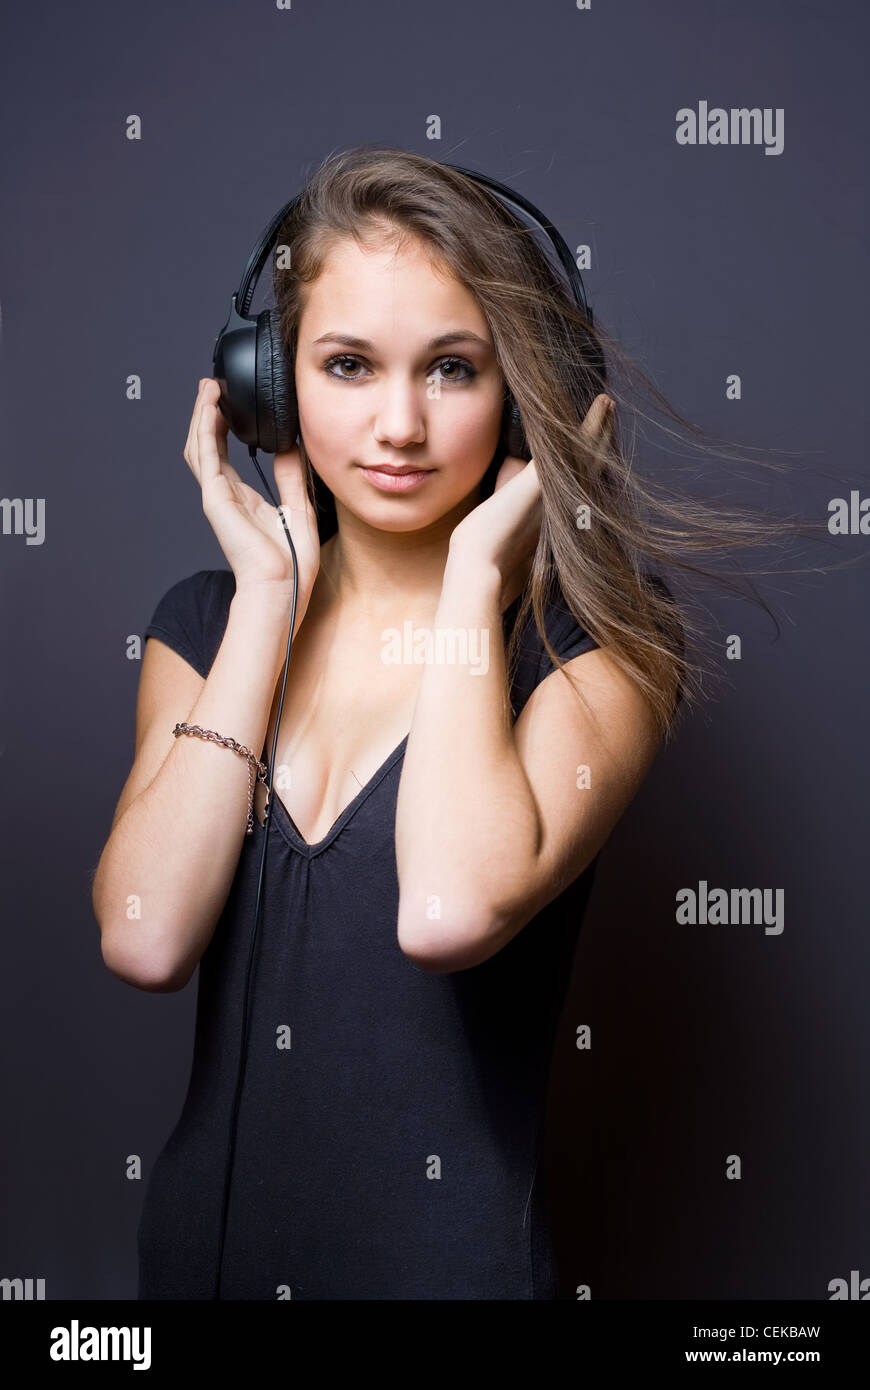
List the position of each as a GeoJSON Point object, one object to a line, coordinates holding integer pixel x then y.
{"type": "Point", "coordinates": [638, 527]}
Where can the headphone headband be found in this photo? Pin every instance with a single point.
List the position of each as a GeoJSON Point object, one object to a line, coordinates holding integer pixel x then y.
{"type": "Point", "coordinates": [517, 200]}
{"type": "Point", "coordinates": [257, 259]}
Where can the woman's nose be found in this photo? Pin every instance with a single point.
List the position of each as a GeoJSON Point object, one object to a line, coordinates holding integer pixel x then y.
{"type": "Point", "coordinates": [401, 419]}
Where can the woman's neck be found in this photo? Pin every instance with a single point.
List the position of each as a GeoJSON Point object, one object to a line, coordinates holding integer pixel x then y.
{"type": "Point", "coordinates": [382, 575]}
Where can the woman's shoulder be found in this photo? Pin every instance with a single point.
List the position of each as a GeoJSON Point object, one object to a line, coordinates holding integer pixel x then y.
{"type": "Point", "coordinates": [192, 616]}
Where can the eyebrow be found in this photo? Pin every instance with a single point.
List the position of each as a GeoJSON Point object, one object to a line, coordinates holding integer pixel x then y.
{"type": "Point", "coordinates": [461, 335]}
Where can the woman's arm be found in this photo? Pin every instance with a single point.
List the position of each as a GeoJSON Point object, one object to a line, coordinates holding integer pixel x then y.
{"type": "Point", "coordinates": [492, 822]}
{"type": "Point", "coordinates": [179, 825]}
{"type": "Point", "coordinates": [464, 804]}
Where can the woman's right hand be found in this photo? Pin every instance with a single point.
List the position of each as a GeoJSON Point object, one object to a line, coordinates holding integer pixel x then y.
{"type": "Point", "coordinates": [246, 524]}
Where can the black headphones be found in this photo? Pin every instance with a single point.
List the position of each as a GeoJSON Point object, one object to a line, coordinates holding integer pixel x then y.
{"type": "Point", "coordinates": [256, 376]}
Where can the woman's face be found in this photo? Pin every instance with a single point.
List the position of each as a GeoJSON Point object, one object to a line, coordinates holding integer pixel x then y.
{"type": "Point", "coordinates": [375, 387]}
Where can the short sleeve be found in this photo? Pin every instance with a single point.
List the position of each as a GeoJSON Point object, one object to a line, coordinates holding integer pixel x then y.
{"type": "Point", "coordinates": [566, 635]}
{"type": "Point", "coordinates": [191, 617]}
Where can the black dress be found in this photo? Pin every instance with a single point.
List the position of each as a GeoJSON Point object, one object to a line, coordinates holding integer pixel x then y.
{"type": "Point", "coordinates": [390, 1122]}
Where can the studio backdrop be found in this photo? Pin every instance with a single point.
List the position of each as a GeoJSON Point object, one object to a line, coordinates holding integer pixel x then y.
{"type": "Point", "coordinates": [708, 1130]}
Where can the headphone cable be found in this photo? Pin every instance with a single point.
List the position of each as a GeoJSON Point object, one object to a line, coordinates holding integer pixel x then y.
{"type": "Point", "coordinates": [243, 1055]}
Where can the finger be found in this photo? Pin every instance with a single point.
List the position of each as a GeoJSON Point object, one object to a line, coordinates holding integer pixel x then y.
{"type": "Point", "coordinates": [514, 468]}
{"type": "Point", "coordinates": [190, 454]}
{"type": "Point", "coordinates": [510, 468]}
{"type": "Point", "coordinates": [598, 428]}
{"type": "Point", "coordinates": [210, 454]}
{"type": "Point", "coordinates": [290, 479]}
{"type": "Point", "coordinates": [597, 417]}
{"type": "Point", "coordinates": [211, 435]}
{"type": "Point", "coordinates": [297, 511]}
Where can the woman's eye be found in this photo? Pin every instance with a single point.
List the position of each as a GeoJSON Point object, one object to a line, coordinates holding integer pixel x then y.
{"type": "Point", "coordinates": [329, 365]}
{"type": "Point", "coordinates": [451, 364]}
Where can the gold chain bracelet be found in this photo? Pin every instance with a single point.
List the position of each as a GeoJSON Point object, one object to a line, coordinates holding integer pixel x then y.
{"type": "Point", "coordinates": [210, 736]}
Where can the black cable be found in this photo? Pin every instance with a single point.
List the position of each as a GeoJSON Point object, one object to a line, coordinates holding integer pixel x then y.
{"type": "Point", "coordinates": [243, 1055]}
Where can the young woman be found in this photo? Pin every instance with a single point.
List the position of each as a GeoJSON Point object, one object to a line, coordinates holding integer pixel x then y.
{"type": "Point", "coordinates": [436, 824]}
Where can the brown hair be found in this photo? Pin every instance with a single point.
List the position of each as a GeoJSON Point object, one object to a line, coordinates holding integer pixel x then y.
{"type": "Point", "coordinates": [373, 192]}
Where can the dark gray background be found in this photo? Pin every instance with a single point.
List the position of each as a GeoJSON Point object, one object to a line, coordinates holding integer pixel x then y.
{"type": "Point", "coordinates": [120, 257]}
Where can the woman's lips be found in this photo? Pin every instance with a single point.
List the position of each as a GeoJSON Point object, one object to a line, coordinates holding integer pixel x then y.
{"type": "Point", "coordinates": [396, 482]}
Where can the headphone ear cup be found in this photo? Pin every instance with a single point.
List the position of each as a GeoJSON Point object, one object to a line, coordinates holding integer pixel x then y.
{"type": "Point", "coordinates": [277, 409]}
{"type": "Point", "coordinates": [514, 433]}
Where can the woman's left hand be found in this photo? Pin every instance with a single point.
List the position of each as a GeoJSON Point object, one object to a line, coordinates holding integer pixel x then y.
{"type": "Point", "coordinates": [503, 530]}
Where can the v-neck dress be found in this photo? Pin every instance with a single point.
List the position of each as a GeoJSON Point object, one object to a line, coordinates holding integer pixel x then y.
{"type": "Point", "coordinates": [390, 1123]}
